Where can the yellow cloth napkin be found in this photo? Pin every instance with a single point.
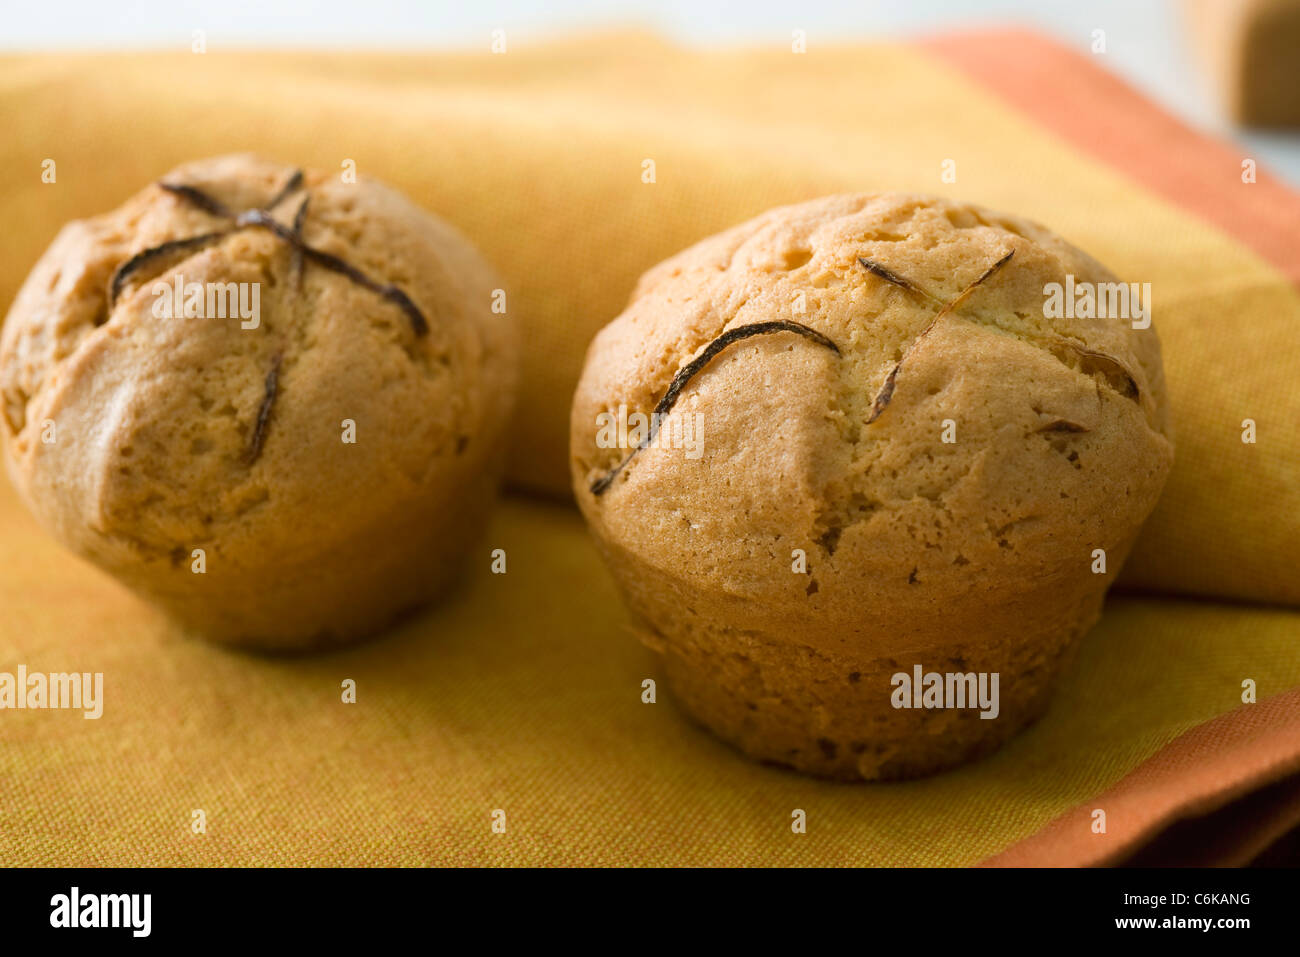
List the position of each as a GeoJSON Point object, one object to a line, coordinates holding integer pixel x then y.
{"type": "Point", "coordinates": [523, 693]}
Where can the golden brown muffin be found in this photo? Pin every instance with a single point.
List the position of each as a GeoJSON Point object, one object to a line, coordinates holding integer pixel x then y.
{"type": "Point", "coordinates": [944, 457]}
{"type": "Point", "coordinates": [293, 475]}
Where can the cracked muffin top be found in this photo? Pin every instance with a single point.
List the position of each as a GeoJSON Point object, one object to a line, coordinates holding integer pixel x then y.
{"type": "Point", "coordinates": [135, 433]}
{"type": "Point", "coordinates": [930, 427]}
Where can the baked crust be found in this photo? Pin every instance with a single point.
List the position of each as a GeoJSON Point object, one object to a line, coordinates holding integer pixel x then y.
{"type": "Point", "coordinates": [308, 539]}
{"type": "Point", "coordinates": [973, 555]}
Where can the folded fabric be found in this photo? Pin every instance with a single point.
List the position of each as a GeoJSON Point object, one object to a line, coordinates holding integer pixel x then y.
{"type": "Point", "coordinates": [524, 693]}
{"type": "Point", "coordinates": [1199, 772]}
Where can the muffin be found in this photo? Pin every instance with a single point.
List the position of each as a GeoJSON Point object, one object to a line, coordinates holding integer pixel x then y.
{"type": "Point", "coordinates": [267, 400]}
{"type": "Point", "coordinates": [885, 450]}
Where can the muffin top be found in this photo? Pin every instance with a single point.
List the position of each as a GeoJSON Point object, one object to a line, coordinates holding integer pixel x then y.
{"type": "Point", "coordinates": [931, 425]}
{"type": "Point", "coordinates": [136, 428]}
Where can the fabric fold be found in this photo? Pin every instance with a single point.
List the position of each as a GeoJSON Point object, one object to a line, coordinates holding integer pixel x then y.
{"type": "Point", "coordinates": [1201, 771]}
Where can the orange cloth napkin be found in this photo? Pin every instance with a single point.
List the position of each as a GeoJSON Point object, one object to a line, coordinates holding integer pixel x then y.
{"type": "Point", "coordinates": [523, 694]}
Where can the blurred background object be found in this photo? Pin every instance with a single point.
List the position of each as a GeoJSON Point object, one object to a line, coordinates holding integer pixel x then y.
{"type": "Point", "coordinates": [1252, 50]}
